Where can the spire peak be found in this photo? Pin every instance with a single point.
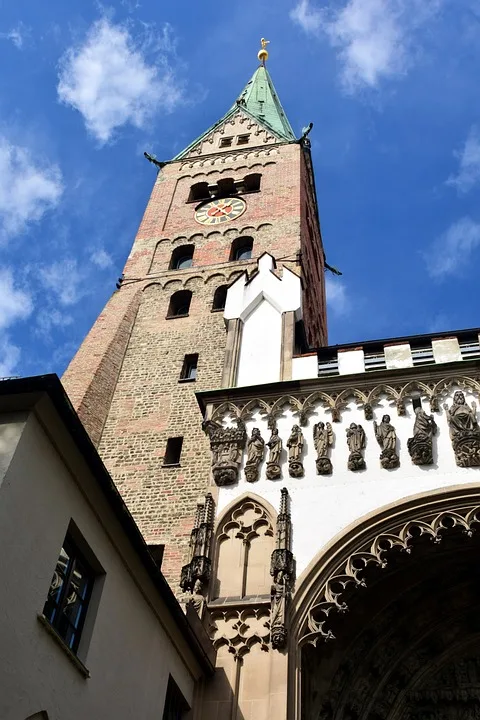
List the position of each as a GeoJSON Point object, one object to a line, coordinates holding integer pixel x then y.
{"type": "Point", "coordinates": [263, 53]}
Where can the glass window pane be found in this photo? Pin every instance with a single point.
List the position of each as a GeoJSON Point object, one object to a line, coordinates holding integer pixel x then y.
{"type": "Point", "coordinates": [184, 262]}
{"type": "Point", "coordinates": [80, 579]}
{"type": "Point", "coordinates": [244, 254]}
{"type": "Point", "coordinates": [73, 608]}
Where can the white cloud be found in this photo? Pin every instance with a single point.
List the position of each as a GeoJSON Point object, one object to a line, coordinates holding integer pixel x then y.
{"type": "Point", "coordinates": [452, 250]}
{"type": "Point", "coordinates": [9, 356]}
{"type": "Point", "coordinates": [109, 81]}
{"type": "Point", "coordinates": [15, 304]}
{"type": "Point", "coordinates": [469, 170]}
{"type": "Point", "coordinates": [28, 189]}
{"type": "Point", "coordinates": [50, 318]}
{"type": "Point", "coordinates": [16, 35]}
{"type": "Point", "coordinates": [101, 258]}
{"type": "Point", "coordinates": [373, 37]}
{"type": "Point", "coordinates": [337, 296]}
{"type": "Point", "coordinates": [64, 279]}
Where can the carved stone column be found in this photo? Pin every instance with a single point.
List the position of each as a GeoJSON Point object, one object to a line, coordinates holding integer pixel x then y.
{"type": "Point", "coordinates": [282, 570]}
{"type": "Point", "coordinates": [196, 573]}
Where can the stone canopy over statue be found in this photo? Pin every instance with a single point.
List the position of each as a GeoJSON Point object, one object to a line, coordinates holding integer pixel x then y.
{"type": "Point", "coordinates": [387, 439]}
{"type": "Point", "coordinates": [464, 431]}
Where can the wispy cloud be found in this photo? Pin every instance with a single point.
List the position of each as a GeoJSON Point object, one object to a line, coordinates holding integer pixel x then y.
{"type": "Point", "coordinates": [110, 82]}
{"type": "Point", "coordinates": [452, 251]}
{"type": "Point", "coordinates": [337, 296]}
{"type": "Point", "coordinates": [28, 189]}
{"type": "Point", "coordinates": [15, 305]}
{"type": "Point", "coordinates": [101, 258]}
{"type": "Point", "coordinates": [373, 38]}
{"type": "Point", "coordinates": [64, 279]}
{"type": "Point", "coordinates": [17, 35]}
{"type": "Point", "coordinates": [469, 169]}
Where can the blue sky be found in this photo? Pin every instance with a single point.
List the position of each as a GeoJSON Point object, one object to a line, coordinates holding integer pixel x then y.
{"type": "Point", "coordinates": [391, 86]}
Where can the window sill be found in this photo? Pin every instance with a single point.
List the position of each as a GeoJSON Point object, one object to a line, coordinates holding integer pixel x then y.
{"type": "Point", "coordinates": [186, 380]}
{"type": "Point", "coordinates": [71, 655]}
{"type": "Point", "coordinates": [217, 310]}
{"type": "Point", "coordinates": [175, 317]}
{"type": "Point", "coordinates": [171, 465]}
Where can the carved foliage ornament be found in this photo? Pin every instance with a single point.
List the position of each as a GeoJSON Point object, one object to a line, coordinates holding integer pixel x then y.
{"type": "Point", "coordinates": [227, 445]}
{"type": "Point", "coordinates": [351, 572]}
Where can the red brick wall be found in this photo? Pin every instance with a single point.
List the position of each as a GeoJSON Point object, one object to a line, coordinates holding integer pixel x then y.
{"type": "Point", "coordinates": [124, 378]}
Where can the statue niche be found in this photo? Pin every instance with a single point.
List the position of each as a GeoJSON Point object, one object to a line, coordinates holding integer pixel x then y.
{"type": "Point", "coordinates": [227, 445]}
{"type": "Point", "coordinates": [387, 439]}
{"type": "Point", "coordinates": [295, 448]}
{"type": "Point", "coordinates": [255, 453]}
{"type": "Point", "coordinates": [322, 440]}
{"type": "Point", "coordinates": [420, 445]}
{"type": "Point", "coordinates": [356, 442]}
{"type": "Point", "coordinates": [464, 431]}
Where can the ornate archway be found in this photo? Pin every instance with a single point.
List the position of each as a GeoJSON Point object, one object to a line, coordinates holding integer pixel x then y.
{"type": "Point", "coordinates": [387, 622]}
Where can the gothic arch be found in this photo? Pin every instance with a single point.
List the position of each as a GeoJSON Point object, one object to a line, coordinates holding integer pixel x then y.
{"type": "Point", "coordinates": [244, 541]}
{"type": "Point", "coordinates": [406, 574]}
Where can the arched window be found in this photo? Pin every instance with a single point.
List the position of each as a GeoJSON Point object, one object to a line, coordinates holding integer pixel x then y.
{"type": "Point", "coordinates": [182, 257]}
{"type": "Point", "coordinates": [199, 191]}
{"type": "Point", "coordinates": [179, 304]}
{"type": "Point", "coordinates": [244, 547]}
{"type": "Point", "coordinates": [226, 186]}
{"type": "Point", "coordinates": [251, 183]}
{"type": "Point", "coordinates": [241, 248]}
{"type": "Point", "coordinates": [220, 297]}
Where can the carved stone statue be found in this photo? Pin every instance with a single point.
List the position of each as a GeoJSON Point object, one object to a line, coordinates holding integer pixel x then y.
{"type": "Point", "coordinates": [255, 453]}
{"type": "Point", "coordinates": [279, 595]}
{"type": "Point", "coordinates": [275, 446]}
{"type": "Point", "coordinates": [387, 439]}
{"type": "Point", "coordinates": [356, 444]}
{"type": "Point", "coordinates": [464, 431]}
{"type": "Point", "coordinates": [226, 445]}
{"type": "Point", "coordinates": [295, 448]}
{"type": "Point", "coordinates": [197, 600]}
{"type": "Point", "coordinates": [323, 439]}
{"type": "Point", "coordinates": [420, 445]}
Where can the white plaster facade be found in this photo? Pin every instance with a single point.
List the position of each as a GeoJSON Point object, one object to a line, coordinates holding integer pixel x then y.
{"type": "Point", "coordinates": [131, 642]}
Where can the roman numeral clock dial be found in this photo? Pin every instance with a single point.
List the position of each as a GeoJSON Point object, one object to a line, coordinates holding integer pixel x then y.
{"type": "Point", "coordinates": [215, 212]}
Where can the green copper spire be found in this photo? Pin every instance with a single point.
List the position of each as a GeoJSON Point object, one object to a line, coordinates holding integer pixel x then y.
{"type": "Point", "coordinates": [260, 101]}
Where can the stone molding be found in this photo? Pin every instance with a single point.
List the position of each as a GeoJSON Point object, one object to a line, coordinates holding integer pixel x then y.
{"type": "Point", "coordinates": [365, 394]}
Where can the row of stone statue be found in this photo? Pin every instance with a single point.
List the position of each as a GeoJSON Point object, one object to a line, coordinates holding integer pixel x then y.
{"type": "Point", "coordinates": [464, 433]}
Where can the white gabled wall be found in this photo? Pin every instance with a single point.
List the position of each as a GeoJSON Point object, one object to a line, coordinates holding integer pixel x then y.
{"type": "Point", "coordinates": [259, 303]}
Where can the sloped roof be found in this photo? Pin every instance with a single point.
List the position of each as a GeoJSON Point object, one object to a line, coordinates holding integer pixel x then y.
{"type": "Point", "coordinates": [260, 101]}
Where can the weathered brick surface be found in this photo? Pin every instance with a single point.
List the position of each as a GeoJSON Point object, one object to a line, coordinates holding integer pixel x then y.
{"type": "Point", "coordinates": [124, 378]}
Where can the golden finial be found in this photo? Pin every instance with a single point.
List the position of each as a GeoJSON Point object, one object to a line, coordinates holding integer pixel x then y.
{"type": "Point", "coordinates": [263, 54]}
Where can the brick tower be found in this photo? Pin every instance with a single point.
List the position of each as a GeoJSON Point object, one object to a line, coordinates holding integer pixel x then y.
{"type": "Point", "coordinates": [243, 188]}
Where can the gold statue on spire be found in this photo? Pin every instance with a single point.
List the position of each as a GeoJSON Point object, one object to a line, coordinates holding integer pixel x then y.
{"type": "Point", "coordinates": [263, 53]}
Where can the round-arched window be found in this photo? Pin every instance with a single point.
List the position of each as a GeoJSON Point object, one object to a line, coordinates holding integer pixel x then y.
{"type": "Point", "coordinates": [182, 257]}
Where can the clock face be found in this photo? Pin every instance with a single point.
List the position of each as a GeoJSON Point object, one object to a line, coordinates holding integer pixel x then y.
{"type": "Point", "coordinates": [218, 211]}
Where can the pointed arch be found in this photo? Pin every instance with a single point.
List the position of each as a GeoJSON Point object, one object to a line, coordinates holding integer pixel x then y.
{"type": "Point", "coordinates": [404, 555]}
{"type": "Point", "coordinates": [244, 541]}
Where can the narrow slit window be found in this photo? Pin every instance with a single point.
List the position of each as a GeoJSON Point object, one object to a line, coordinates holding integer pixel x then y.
{"type": "Point", "coordinates": [189, 369]}
{"type": "Point", "coordinates": [173, 451]}
{"type": "Point", "coordinates": [220, 298]}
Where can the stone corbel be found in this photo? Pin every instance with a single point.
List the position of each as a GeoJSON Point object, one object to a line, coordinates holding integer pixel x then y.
{"type": "Point", "coordinates": [227, 445]}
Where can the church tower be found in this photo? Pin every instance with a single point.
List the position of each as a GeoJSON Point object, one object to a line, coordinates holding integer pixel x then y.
{"type": "Point", "coordinates": [244, 188]}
